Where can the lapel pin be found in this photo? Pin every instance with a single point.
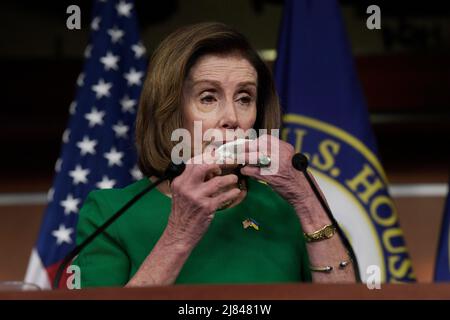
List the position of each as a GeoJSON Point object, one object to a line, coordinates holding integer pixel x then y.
{"type": "Point", "coordinates": [247, 223]}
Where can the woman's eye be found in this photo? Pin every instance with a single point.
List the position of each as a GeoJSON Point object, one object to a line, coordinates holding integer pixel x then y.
{"type": "Point", "coordinates": [245, 100]}
{"type": "Point", "coordinates": [207, 99]}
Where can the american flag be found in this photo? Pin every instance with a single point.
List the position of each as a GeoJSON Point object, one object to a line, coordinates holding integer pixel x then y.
{"type": "Point", "coordinates": [97, 149]}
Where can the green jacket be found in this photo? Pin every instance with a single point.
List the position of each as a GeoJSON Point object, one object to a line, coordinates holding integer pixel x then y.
{"type": "Point", "coordinates": [227, 253]}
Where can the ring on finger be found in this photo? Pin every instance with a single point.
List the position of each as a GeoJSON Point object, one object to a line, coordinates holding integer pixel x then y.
{"type": "Point", "coordinates": [264, 161]}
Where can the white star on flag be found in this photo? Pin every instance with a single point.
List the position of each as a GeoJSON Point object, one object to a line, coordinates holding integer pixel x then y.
{"type": "Point", "coordinates": [95, 117]}
{"type": "Point", "coordinates": [79, 175]}
{"type": "Point", "coordinates": [102, 88]}
{"type": "Point", "coordinates": [134, 77]}
{"type": "Point", "coordinates": [127, 104]}
{"type": "Point", "coordinates": [95, 24]}
{"type": "Point", "coordinates": [123, 8]}
{"type": "Point", "coordinates": [73, 107]}
{"type": "Point", "coordinates": [87, 146]}
{"type": "Point", "coordinates": [106, 183]}
{"type": "Point", "coordinates": [80, 79]}
{"type": "Point", "coordinates": [138, 49]}
{"type": "Point", "coordinates": [88, 51]}
{"type": "Point", "coordinates": [50, 194]}
{"type": "Point", "coordinates": [66, 135]}
{"type": "Point", "coordinates": [110, 61]}
{"type": "Point", "coordinates": [62, 235]}
{"type": "Point", "coordinates": [58, 164]}
{"type": "Point", "coordinates": [120, 130]}
{"type": "Point", "coordinates": [114, 157]}
{"type": "Point", "coordinates": [136, 173]}
{"type": "Point", "coordinates": [70, 204]}
{"type": "Point", "coordinates": [116, 34]}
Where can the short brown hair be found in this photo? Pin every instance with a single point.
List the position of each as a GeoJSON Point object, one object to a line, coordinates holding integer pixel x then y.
{"type": "Point", "coordinates": [160, 102]}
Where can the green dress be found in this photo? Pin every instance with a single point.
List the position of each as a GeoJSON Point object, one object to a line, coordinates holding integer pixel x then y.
{"type": "Point", "coordinates": [227, 253]}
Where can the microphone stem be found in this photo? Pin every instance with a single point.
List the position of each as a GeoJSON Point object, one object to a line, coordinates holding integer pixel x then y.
{"type": "Point", "coordinates": [341, 234]}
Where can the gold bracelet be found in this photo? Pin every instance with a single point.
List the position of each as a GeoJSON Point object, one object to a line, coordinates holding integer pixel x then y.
{"type": "Point", "coordinates": [327, 269]}
{"type": "Point", "coordinates": [324, 233]}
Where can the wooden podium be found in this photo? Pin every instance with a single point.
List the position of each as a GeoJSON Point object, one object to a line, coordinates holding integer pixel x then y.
{"type": "Point", "coordinates": [247, 292]}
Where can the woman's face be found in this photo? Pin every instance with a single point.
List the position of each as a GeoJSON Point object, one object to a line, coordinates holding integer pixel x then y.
{"type": "Point", "coordinates": [220, 91]}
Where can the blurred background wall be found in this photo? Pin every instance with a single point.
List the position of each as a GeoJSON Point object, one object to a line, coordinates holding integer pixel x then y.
{"type": "Point", "coordinates": [404, 69]}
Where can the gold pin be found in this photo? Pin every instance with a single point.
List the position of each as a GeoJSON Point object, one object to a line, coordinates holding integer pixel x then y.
{"type": "Point", "coordinates": [249, 222]}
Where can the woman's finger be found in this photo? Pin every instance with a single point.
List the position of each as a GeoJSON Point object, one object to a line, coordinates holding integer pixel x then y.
{"type": "Point", "coordinates": [253, 172]}
{"type": "Point", "coordinates": [201, 171]}
{"type": "Point", "coordinates": [250, 158]}
{"type": "Point", "coordinates": [217, 183]}
{"type": "Point", "coordinates": [201, 168]}
{"type": "Point", "coordinates": [224, 197]}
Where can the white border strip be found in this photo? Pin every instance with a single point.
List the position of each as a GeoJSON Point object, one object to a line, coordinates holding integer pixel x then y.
{"type": "Point", "coordinates": [419, 190]}
{"type": "Point", "coordinates": [26, 198]}
{"type": "Point", "coordinates": [396, 190]}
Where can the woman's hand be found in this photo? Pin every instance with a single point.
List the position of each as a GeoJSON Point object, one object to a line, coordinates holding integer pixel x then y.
{"type": "Point", "coordinates": [280, 175]}
{"type": "Point", "coordinates": [292, 185]}
{"type": "Point", "coordinates": [195, 198]}
{"type": "Point", "coordinates": [196, 195]}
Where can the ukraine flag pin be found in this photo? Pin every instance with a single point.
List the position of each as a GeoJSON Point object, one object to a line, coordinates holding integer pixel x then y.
{"type": "Point", "coordinates": [249, 222]}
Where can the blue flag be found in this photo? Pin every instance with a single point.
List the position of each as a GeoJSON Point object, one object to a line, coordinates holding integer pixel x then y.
{"type": "Point", "coordinates": [98, 150]}
{"type": "Point", "coordinates": [326, 118]}
{"type": "Point", "coordinates": [442, 272]}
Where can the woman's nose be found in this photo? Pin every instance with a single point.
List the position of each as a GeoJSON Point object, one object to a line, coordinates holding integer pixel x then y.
{"type": "Point", "coordinates": [229, 117]}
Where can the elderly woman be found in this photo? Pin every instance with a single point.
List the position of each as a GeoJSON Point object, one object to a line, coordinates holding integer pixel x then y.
{"type": "Point", "coordinates": [211, 224]}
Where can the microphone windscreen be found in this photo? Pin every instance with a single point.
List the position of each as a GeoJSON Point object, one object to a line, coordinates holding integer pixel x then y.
{"type": "Point", "coordinates": [300, 162]}
{"type": "Point", "coordinates": [174, 170]}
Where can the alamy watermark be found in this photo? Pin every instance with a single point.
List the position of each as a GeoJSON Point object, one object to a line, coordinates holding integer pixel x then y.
{"type": "Point", "coordinates": [374, 20]}
{"type": "Point", "coordinates": [74, 280]}
{"type": "Point", "coordinates": [373, 280]}
{"type": "Point", "coordinates": [73, 21]}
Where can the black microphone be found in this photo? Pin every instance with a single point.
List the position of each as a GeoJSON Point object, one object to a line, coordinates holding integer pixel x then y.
{"type": "Point", "coordinates": [173, 170]}
{"type": "Point", "coordinates": [300, 162]}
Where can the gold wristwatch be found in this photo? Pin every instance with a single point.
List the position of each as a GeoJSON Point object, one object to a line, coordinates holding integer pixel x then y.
{"type": "Point", "coordinates": [322, 234]}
